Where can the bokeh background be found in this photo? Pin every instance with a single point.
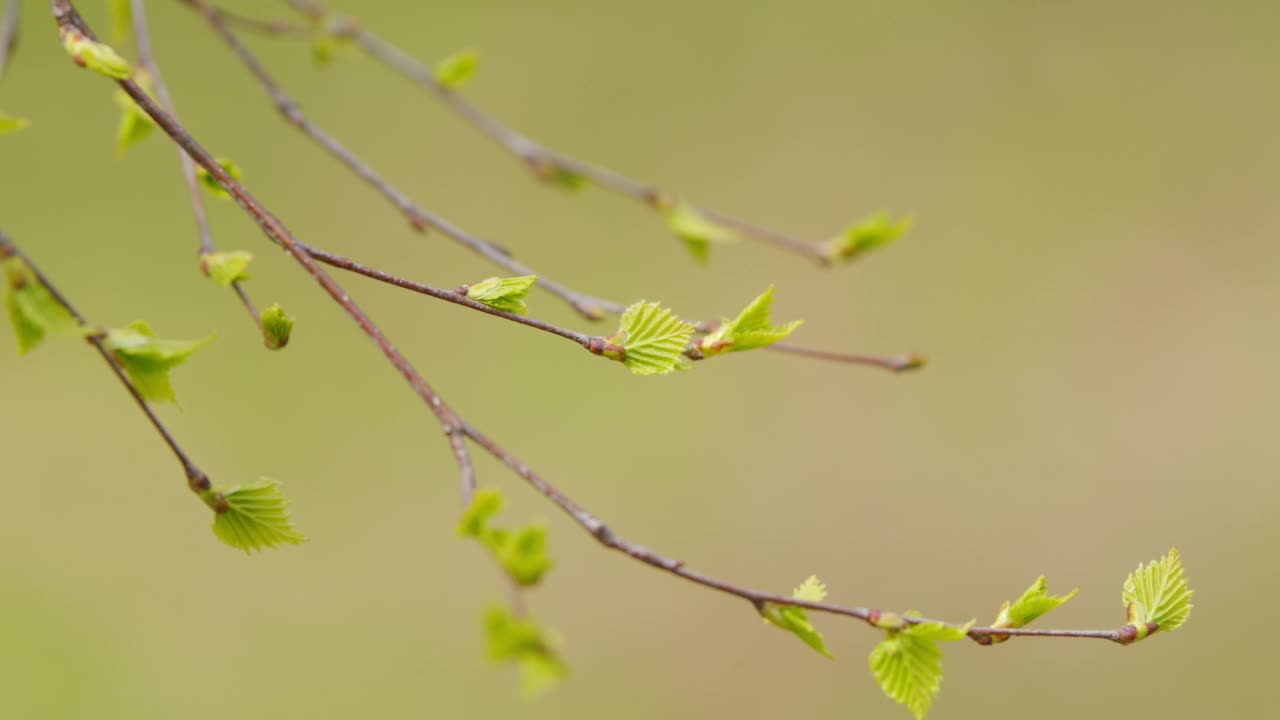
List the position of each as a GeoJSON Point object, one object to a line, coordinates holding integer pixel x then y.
{"type": "Point", "coordinates": [1093, 277]}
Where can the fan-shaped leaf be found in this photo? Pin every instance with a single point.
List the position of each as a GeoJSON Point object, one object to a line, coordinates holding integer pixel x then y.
{"type": "Point", "coordinates": [148, 360]}
{"type": "Point", "coordinates": [1159, 594]}
{"type": "Point", "coordinates": [257, 517]}
{"type": "Point", "coordinates": [653, 338]}
{"type": "Point", "coordinates": [908, 664]}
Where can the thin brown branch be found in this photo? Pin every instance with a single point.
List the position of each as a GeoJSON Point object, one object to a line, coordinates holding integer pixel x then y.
{"type": "Point", "coordinates": [147, 62]}
{"type": "Point", "coordinates": [197, 480]}
{"type": "Point", "coordinates": [419, 218]}
{"type": "Point", "coordinates": [9, 32]}
{"type": "Point", "coordinates": [459, 430]}
{"type": "Point", "coordinates": [543, 161]}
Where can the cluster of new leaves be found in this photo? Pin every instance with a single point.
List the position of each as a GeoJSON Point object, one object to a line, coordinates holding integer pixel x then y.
{"type": "Point", "coordinates": [505, 294]}
{"type": "Point", "coordinates": [752, 329]}
{"type": "Point", "coordinates": [523, 641]}
{"type": "Point", "coordinates": [252, 517]}
{"type": "Point", "coordinates": [522, 553]}
{"type": "Point", "coordinates": [148, 360]}
{"type": "Point", "coordinates": [794, 619]}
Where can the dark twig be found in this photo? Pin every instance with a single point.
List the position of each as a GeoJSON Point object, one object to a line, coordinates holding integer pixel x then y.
{"type": "Point", "coordinates": [146, 61]}
{"type": "Point", "coordinates": [459, 430]}
{"type": "Point", "coordinates": [9, 32]}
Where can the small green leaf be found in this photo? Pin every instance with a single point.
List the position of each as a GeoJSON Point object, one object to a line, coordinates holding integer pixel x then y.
{"type": "Point", "coordinates": [33, 310]}
{"type": "Point", "coordinates": [10, 124]}
{"type": "Point", "coordinates": [750, 330]}
{"type": "Point", "coordinates": [226, 268]}
{"type": "Point", "coordinates": [908, 664]}
{"type": "Point", "coordinates": [211, 183]}
{"type": "Point", "coordinates": [872, 232]}
{"type": "Point", "coordinates": [553, 173]}
{"type": "Point", "coordinates": [257, 517]}
{"type": "Point", "coordinates": [653, 339]}
{"type": "Point", "coordinates": [1159, 594]}
{"type": "Point", "coordinates": [277, 327]}
{"type": "Point", "coordinates": [147, 361]}
{"type": "Point", "coordinates": [121, 12]}
{"type": "Point", "coordinates": [522, 554]}
{"type": "Point", "coordinates": [98, 57]}
{"type": "Point", "coordinates": [1036, 601]}
{"type": "Point", "coordinates": [457, 70]}
{"type": "Point", "coordinates": [524, 642]}
{"type": "Point", "coordinates": [135, 124]}
{"type": "Point", "coordinates": [697, 231]}
{"type": "Point", "coordinates": [505, 294]}
{"type": "Point", "coordinates": [794, 619]}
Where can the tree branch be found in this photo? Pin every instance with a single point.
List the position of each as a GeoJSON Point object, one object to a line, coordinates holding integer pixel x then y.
{"type": "Point", "coordinates": [9, 32]}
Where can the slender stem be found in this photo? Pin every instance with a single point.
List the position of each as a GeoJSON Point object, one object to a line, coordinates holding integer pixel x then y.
{"type": "Point", "coordinates": [545, 162]}
{"type": "Point", "coordinates": [65, 14]}
{"type": "Point", "coordinates": [197, 480]}
{"type": "Point", "coordinates": [9, 32]}
{"type": "Point", "coordinates": [419, 218]}
{"type": "Point", "coordinates": [147, 61]}
{"type": "Point", "coordinates": [458, 430]}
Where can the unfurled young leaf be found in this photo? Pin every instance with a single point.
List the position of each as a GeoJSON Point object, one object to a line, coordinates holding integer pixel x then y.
{"type": "Point", "coordinates": [98, 57]}
{"type": "Point", "coordinates": [866, 235]}
{"type": "Point", "coordinates": [750, 330]}
{"type": "Point", "coordinates": [520, 640]}
{"type": "Point", "coordinates": [505, 294]}
{"type": "Point", "coordinates": [1157, 597]}
{"type": "Point", "coordinates": [211, 183]}
{"type": "Point", "coordinates": [457, 70]}
{"type": "Point", "coordinates": [277, 327]}
{"type": "Point", "coordinates": [226, 268]}
{"type": "Point", "coordinates": [257, 517]}
{"type": "Point", "coordinates": [697, 231]}
{"type": "Point", "coordinates": [121, 20]}
{"type": "Point", "coordinates": [33, 310]}
{"type": "Point", "coordinates": [135, 124]}
{"type": "Point", "coordinates": [794, 619]}
{"type": "Point", "coordinates": [521, 553]}
{"type": "Point", "coordinates": [148, 360]}
{"type": "Point", "coordinates": [1036, 601]}
{"type": "Point", "coordinates": [10, 124]}
{"type": "Point", "coordinates": [908, 663]}
{"type": "Point", "coordinates": [653, 339]}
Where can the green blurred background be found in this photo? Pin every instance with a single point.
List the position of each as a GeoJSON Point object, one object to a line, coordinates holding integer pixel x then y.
{"type": "Point", "coordinates": [1093, 277]}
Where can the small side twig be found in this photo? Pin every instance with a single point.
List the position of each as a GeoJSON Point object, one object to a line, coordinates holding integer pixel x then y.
{"type": "Point", "coordinates": [9, 32]}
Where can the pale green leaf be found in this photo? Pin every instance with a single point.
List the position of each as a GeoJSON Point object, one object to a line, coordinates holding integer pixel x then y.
{"type": "Point", "coordinates": [553, 173]}
{"type": "Point", "coordinates": [1033, 603]}
{"type": "Point", "coordinates": [794, 619]}
{"type": "Point", "coordinates": [1158, 593]}
{"type": "Point", "coordinates": [135, 124]}
{"type": "Point", "coordinates": [33, 310]}
{"type": "Point", "coordinates": [457, 70]}
{"type": "Point", "coordinates": [750, 330]}
{"type": "Point", "coordinates": [226, 268]}
{"type": "Point", "coordinates": [277, 327]}
{"type": "Point", "coordinates": [257, 517]}
{"type": "Point", "coordinates": [211, 183]}
{"type": "Point", "coordinates": [874, 231]}
{"type": "Point", "coordinates": [121, 12]}
{"type": "Point", "coordinates": [653, 339]}
{"type": "Point", "coordinates": [98, 57]}
{"type": "Point", "coordinates": [522, 553]}
{"type": "Point", "coordinates": [908, 664]}
{"type": "Point", "coordinates": [148, 360]}
{"type": "Point", "coordinates": [485, 503]}
{"type": "Point", "coordinates": [520, 640]}
{"type": "Point", "coordinates": [697, 231]}
{"type": "Point", "coordinates": [505, 294]}
{"type": "Point", "coordinates": [10, 124]}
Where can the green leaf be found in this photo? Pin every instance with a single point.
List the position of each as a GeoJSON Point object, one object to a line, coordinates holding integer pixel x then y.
{"type": "Point", "coordinates": [10, 124]}
{"type": "Point", "coordinates": [277, 327]}
{"type": "Point", "coordinates": [457, 70]}
{"type": "Point", "coordinates": [553, 173]}
{"type": "Point", "coordinates": [98, 57]}
{"type": "Point", "coordinates": [257, 517]}
{"type": "Point", "coordinates": [874, 231]}
{"type": "Point", "coordinates": [121, 12]}
{"type": "Point", "coordinates": [1159, 594]}
{"type": "Point", "coordinates": [750, 330]}
{"type": "Point", "coordinates": [135, 124]}
{"type": "Point", "coordinates": [697, 231]}
{"type": "Point", "coordinates": [908, 664]}
{"type": "Point", "coordinates": [1036, 601]}
{"type": "Point", "coordinates": [33, 310]}
{"type": "Point", "coordinates": [522, 553]}
{"type": "Point", "coordinates": [226, 268]}
{"type": "Point", "coordinates": [148, 361]}
{"type": "Point", "coordinates": [211, 183]}
{"type": "Point", "coordinates": [795, 620]}
{"type": "Point", "coordinates": [653, 339]}
{"type": "Point", "coordinates": [524, 642]}
{"type": "Point", "coordinates": [505, 294]}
